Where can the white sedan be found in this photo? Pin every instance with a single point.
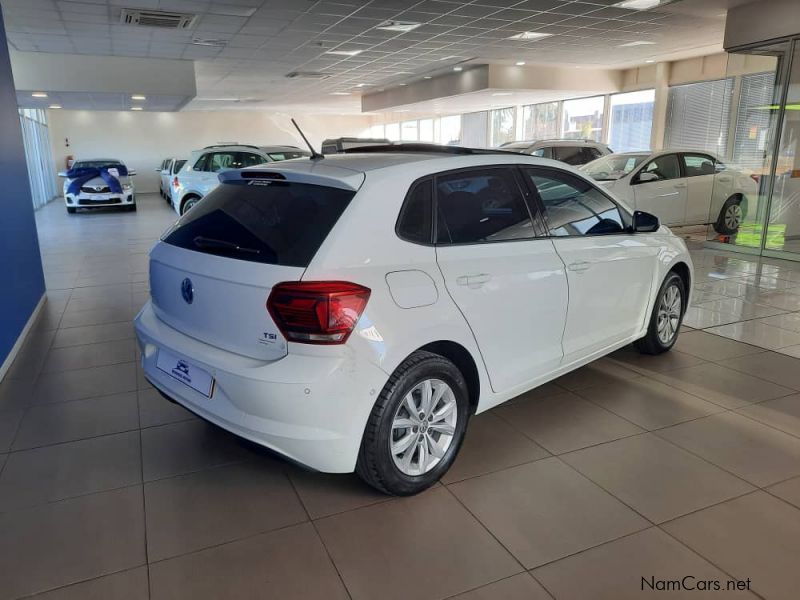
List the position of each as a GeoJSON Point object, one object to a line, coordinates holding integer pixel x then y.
{"type": "Point", "coordinates": [99, 183]}
{"type": "Point", "coordinates": [683, 187]}
{"type": "Point", "coordinates": [352, 313]}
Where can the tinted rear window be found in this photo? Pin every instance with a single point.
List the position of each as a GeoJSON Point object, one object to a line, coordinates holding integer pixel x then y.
{"type": "Point", "coordinates": [273, 222]}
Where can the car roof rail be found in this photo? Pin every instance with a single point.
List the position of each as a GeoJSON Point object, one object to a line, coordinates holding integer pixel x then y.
{"type": "Point", "coordinates": [225, 145]}
{"type": "Point", "coordinates": [422, 147]}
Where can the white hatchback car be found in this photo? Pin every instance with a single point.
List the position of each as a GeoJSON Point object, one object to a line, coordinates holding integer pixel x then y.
{"type": "Point", "coordinates": [683, 187]}
{"type": "Point", "coordinates": [351, 313]}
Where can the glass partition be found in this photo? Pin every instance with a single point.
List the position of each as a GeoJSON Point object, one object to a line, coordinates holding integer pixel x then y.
{"type": "Point", "coordinates": [502, 123]}
{"type": "Point", "coordinates": [631, 120]}
{"type": "Point", "coordinates": [583, 118]}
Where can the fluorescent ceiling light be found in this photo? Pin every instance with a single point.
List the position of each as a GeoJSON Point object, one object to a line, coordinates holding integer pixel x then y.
{"type": "Point", "coordinates": [55, 106]}
{"type": "Point", "coordinates": [136, 108]}
{"type": "Point", "coordinates": [427, 77]}
{"type": "Point", "coordinates": [458, 69]}
{"type": "Point", "coordinates": [344, 52]}
{"type": "Point", "coordinates": [649, 60]}
{"type": "Point", "coordinates": [363, 84]}
{"type": "Point", "coordinates": [520, 63]}
{"type": "Point", "coordinates": [402, 26]}
{"type": "Point", "coordinates": [217, 43]}
{"type": "Point", "coordinates": [39, 95]}
{"type": "Point", "coordinates": [340, 93]}
{"type": "Point", "coordinates": [530, 35]}
{"type": "Point", "coordinates": [138, 97]}
{"type": "Point", "coordinates": [636, 43]}
{"type": "Point", "coordinates": [451, 57]}
{"type": "Point", "coordinates": [640, 4]}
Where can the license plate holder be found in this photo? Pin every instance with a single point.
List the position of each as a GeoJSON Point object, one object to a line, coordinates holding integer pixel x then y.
{"type": "Point", "coordinates": [186, 372]}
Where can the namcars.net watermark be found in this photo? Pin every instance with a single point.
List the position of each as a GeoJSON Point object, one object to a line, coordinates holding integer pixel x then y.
{"type": "Point", "coordinates": [690, 583]}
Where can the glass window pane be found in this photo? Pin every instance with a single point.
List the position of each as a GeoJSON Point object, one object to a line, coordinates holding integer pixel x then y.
{"type": "Point", "coordinates": [393, 132]}
{"type": "Point", "coordinates": [573, 207]}
{"type": "Point", "coordinates": [450, 130]}
{"type": "Point", "coordinates": [583, 118]}
{"type": "Point", "coordinates": [502, 126]}
{"type": "Point", "coordinates": [698, 116]}
{"type": "Point", "coordinates": [474, 129]}
{"type": "Point", "coordinates": [540, 121]}
{"type": "Point", "coordinates": [426, 130]}
{"type": "Point", "coordinates": [415, 223]}
{"type": "Point", "coordinates": [663, 167]}
{"type": "Point", "coordinates": [408, 131]}
{"type": "Point", "coordinates": [481, 205]}
{"type": "Point", "coordinates": [631, 121]}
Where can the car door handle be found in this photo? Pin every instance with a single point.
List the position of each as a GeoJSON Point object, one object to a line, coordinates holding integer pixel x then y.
{"type": "Point", "coordinates": [580, 266]}
{"type": "Point", "coordinates": [680, 185]}
{"type": "Point", "coordinates": [475, 280]}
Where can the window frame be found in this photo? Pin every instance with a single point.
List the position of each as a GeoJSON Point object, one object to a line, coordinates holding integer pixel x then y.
{"type": "Point", "coordinates": [684, 169]}
{"type": "Point", "coordinates": [641, 168]}
{"type": "Point", "coordinates": [202, 162]}
{"type": "Point", "coordinates": [627, 218]}
{"type": "Point", "coordinates": [404, 208]}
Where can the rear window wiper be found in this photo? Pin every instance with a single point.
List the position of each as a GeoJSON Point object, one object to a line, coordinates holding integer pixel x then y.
{"type": "Point", "coordinates": [214, 244]}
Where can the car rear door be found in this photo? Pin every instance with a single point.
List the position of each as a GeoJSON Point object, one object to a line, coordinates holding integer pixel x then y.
{"type": "Point", "coordinates": [609, 270]}
{"type": "Point", "coordinates": [699, 170]}
{"type": "Point", "coordinates": [509, 284]}
{"type": "Point", "coordinates": [666, 196]}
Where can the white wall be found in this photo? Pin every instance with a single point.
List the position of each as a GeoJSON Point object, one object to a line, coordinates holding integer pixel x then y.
{"type": "Point", "coordinates": [143, 139]}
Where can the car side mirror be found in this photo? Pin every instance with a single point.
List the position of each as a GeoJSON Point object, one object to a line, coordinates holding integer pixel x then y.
{"type": "Point", "coordinates": [647, 177]}
{"type": "Point", "coordinates": [644, 222]}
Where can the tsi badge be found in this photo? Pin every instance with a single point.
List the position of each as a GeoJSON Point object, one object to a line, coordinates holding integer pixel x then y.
{"type": "Point", "coordinates": [268, 338]}
{"type": "Point", "coordinates": [187, 290]}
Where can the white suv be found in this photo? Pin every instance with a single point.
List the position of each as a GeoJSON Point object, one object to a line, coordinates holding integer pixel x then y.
{"type": "Point", "coordinates": [200, 174]}
{"type": "Point", "coordinates": [572, 152]}
{"type": "Point", "coordinates": [351, 313]}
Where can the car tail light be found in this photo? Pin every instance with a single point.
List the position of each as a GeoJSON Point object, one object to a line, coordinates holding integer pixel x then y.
{"type": "Point", "coordinates": [755, 177]}
{"type": "Point", "coordinates": [317, 312]}
{"type": "Point", "coordinates": [175, 182]}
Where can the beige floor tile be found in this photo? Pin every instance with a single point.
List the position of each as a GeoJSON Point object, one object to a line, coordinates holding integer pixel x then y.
{"type": "Point", "coordinates": [599, 372]}
{"type": "Point", "coordinates": [154, 409]}
{"type": "Point", "coordinates": [712, 347]}
{"type": "Point", "coordinates": [191, 512]}
{"type": "Point", "coordinates": [741, 308]}
{"type": "Point", "coordinates": [626, 568]}
{"type": "Point", "coordinates": [125, 585]}
{"type": "Point", "coordinates": [565, 422]}
{"type": "Point", "coordinates": [288, 564]}
{"type": "Point", "coordinates": [758, 334]}
{"type": "Point", "coordinates": [788, 321]}
{"type": "Point", "coordinates": [645, 364]}
{"type": "Point", "coordinates": [518, 587]}
{"type": "Point", "coordinates": [649, 403]}
{"type": "Point", "coordinates": [426, 546]}
{"type": "Point", "coordinates": [656, 478]}
{"type": "Point", "coordinates": [9, 424]}
{"type": "Point", "coordinates": [789, 490]}
{"type": "Point", "coordinates": [15, 394]}
{"type": "Point", "coordinates": [760, 454]}
{"type": "Point", "coordinates": [90, 355]}
{"type": "Point", "coordinates": [778, 368]}
{"type": "Point", "coordinates": [546, 510]}
{"type": "Point", "coordinates": [781, 413]}
{"type": "Point", "coordinates": [70, 541]}
{"type": "Point", "coordinates": [90, 334]}
{"type": "Point", "coordinates": [754, 537]}
{"type": "Point", "coordinates": [85, 383]}
{"type": "Point", "coordinates": [325, 494]}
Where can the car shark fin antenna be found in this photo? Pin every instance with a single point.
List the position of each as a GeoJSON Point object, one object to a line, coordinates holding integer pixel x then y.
{"type": "Point", "coordinates": [314, 154]}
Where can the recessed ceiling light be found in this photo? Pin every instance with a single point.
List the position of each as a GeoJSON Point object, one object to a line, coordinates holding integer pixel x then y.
{"type": "Point", "coordinates": [402, 26]}
{"type": "Point", "coordinates": [340, 93]}
{"type": "Point", "coordinates": [138, 97]}
{"type": "Point", "coordinates": [641, 4]}
{"type": "Point", "coordinates": [136, 108]}
{"type": "Point", "coordinates": [427, 77]}
{"type": "Point", "coordinates": [649, 60]}
{"type": "Point", "coordinates": [502, 93]}
{"type": "Point", "coordinates": [215, 42]}
{"type": "Point", "coordinates": [402, 84]}
{"type": "Point", "coordinates": [39, 95]}
{"type": "Point", "coordinates": [55, 106]}
{"type": "Point", "coordinates": [520, 63]}
{"type": "Point", "coordinates": [530, 35]}
{"type": "Point", "coordinates": [344, 52]}
{"type": "Point", "coordinates": [363, 85]}
{"type": "Point", "coordinates": [458, 69]}
{"type": "Point", "coordinates": [636, 43]}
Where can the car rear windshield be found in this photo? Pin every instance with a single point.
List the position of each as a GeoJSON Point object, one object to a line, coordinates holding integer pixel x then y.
{"type": "Point", "coordinates": [266, 221]}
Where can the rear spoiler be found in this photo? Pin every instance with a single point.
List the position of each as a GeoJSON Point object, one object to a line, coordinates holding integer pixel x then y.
{"type": "Point", "coordinates": [330, 177]}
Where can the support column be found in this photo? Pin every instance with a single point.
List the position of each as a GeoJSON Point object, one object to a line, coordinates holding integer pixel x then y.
{"type": "Point", "coordinates": [660, 106]}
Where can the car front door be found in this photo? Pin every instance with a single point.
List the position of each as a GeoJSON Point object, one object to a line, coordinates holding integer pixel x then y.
{"type": "Point", "coordinates": [609, 270]}
{"type": "Point", "coordinates": [699, 170]}
{"type": "Point", "coordinates": [509, 284]}
{"type": "Point", "coordinates": [660, 189]}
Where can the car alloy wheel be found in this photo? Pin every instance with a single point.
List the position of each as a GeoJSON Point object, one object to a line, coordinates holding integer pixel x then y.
{"type": "Point", "coordinates": [669, 314]}
{"type": "Point", "coordinates": [189, 204]}
{"type": "Point", "coordinates": [423, 427]}
{"type": "Point", "coordinates": [733, 217]}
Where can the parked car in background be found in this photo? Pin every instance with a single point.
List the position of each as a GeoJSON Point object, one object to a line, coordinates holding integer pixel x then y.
{"type": "Point", "coordinates": [680, 187]}
{"type": "Point", "coordinates": [200, 174]}
{"type": "Point", "coordinates": [572, 152]}
{"type": "Point", "coordinates": [336, 145]}
{"type": "Point", "coordinates": [99, 183]}
{"type": "Point", "coordinates": [172, 181]}
{"type": "Point", "coordinates": [317, 307]}
{"type": "Point", "coordinates": [167, 170]}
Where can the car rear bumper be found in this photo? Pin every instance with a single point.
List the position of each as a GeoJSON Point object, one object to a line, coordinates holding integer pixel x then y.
{"type": "Point", "coordinates": [312, 409]}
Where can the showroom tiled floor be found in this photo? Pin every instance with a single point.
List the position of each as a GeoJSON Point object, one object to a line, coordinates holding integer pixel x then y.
{"type": "Point", "coordinates": [634, 466]}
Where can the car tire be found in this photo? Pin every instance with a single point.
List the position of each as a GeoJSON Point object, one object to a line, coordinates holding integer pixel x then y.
{"type": "Point", "coordinates": [71, 210]}
{"type": "Point", "coordinates": [731, 216]}
{"type": "Point", "coordinates": [667, 316]}
{"type": "Point", "coordinates": [189, 203]}
{"type": "Point", "coordinates": [393, 422]}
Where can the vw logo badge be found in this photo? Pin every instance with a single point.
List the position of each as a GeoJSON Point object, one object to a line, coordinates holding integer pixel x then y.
{"type": "Point", "coordinates": [187, 290]}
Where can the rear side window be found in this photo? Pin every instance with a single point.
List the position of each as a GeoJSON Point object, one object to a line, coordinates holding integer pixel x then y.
{"type": "Point", "coordinates": [272, 222]}
{"type": "Point", "coordinates": [415, 223]}
{"type": "Point", "coordinates": [287, 155]}
{"type": "Point", "coordinates": [572, 155]}
{"type": "Point", "coordinates": [480, 205]}
{"type": "Point", "coordinates": [177, 166]}
{"type": "Point", "coordinates": [664, 167]}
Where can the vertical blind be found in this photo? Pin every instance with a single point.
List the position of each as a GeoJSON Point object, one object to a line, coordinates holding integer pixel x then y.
{"type": "Point", "coordinates": [502, 121]}
{"type": "Point", "coordinates": [474, 128]}
{"type": "Point", "coordinates": [540, 121]}
{"type": "Point", "coordinates": [756, 95]}
{"type": "Point", "coordinates": [41, 172]}
{"type": "Point", "coordinates": [698, 116]}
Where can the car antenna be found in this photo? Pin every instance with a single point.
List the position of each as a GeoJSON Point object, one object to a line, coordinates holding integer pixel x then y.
{"type": "Point", "coordinates": [314, 154]}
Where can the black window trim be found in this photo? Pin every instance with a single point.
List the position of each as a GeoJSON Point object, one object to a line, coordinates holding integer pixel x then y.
{"type": "Point", "coordinates": [627, 218]}
{"type": "Point", "coordinates": [403, 208]}
{"type": "Point", "coordinates": [682, 163]}
{"type": "Point", "coordinates": [640, 168]}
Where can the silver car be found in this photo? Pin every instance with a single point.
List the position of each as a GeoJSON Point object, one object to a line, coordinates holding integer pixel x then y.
{"type": "Point", "coordinates": [572, 152]}
{"type": "Point", "coordinates": [200, 174]}
{"type": "Point", "coordinates": [99, 183]}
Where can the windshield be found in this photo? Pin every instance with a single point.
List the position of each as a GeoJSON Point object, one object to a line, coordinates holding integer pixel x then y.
{"type": "Point", "coordinates": [95, 164]}
{"type": "Point", "coordinates": [613, 166]}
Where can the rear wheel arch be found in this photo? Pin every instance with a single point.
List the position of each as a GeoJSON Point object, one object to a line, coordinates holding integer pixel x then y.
{"type": "Point", "coordinates": [187, 198]}
{"type": "Point", "coordinates": [464, 361]}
